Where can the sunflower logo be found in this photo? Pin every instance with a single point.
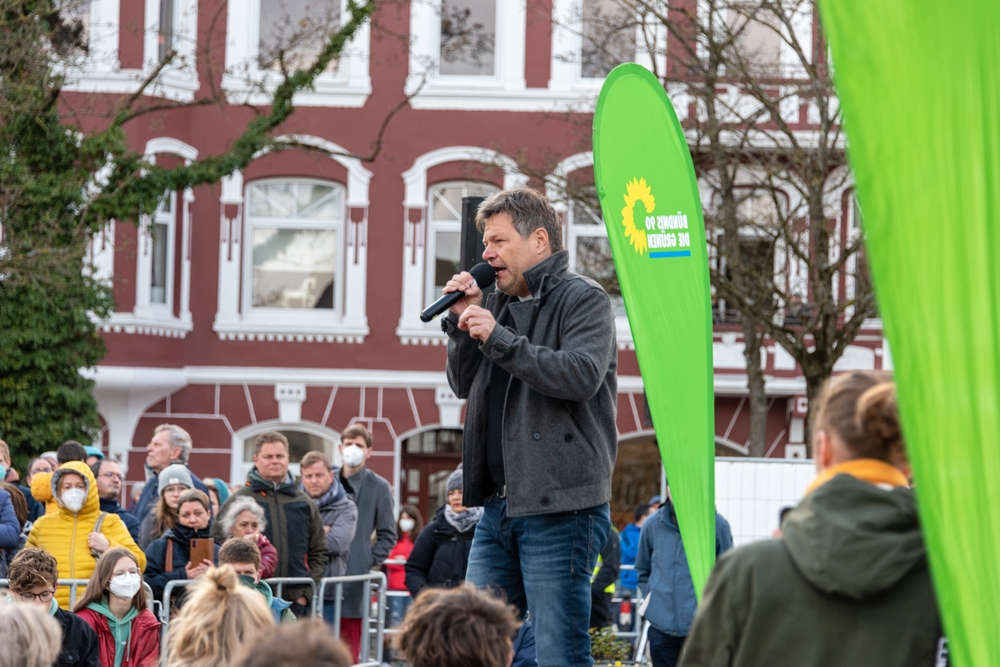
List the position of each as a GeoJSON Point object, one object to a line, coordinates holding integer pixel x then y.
{"type": "Point", "coordinates": [637, 190]}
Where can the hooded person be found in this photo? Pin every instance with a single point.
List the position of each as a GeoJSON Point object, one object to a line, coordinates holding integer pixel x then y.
{"type": "Point", "coordinates": [440, 556]}
{"type": "Point", "coordinates": [115, 605]}
{"type": "Point", "coordinates": [79, 532]}
{"type": "Point", "coordinates": [848, 582]}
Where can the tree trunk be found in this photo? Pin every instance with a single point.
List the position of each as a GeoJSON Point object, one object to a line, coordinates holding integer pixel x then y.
{"type": "Point", "coordinates": [814, 385]}
{"type": "Point", "coordinates": [755, 384]}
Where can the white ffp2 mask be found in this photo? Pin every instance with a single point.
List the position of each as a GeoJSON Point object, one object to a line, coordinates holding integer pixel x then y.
{"type": "Point", "coordinates": [353, 456]}
{"type": "Point", "coordinates": [125, 586]}
{"type": "Point", "coordinates": [73, 499]}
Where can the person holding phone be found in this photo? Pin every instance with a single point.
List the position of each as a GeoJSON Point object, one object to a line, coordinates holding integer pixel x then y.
{"type": "Point", "coordinates": [185, 551]}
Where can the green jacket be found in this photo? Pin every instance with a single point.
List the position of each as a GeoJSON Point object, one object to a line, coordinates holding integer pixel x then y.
{"type": "Point", "coordinates": [294, 526]}
{"type": "Point", "coordinates": [847, 585]}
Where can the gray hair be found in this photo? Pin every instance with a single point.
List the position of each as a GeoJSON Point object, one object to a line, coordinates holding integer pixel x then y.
{"type": "Point", "coordinates": [179, 439]}
{"type": "Point", "coordinates": [529, 210]}
{"type": "Point", "coordinates": [236, 506]}
{"type": "Point", "coordinates": [31, 637]}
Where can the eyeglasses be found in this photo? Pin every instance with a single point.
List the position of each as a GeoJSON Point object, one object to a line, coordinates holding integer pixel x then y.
{"type": "Point", "coordinates": [113, 475]}
{"type": "Point", "coordinates": [120, 574]}
{"type": "Point", "coordinates": [35, 471]}
{"type": "Point", "coordinates": [44, 596]}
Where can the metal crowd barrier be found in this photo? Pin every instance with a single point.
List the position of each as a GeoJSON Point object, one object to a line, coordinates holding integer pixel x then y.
{"type": "Point", "coordinates": [277, 585]}
{"type": "Point", "coordinates": [372, 580]}
{"type": "Point", "coordinates": [74, 584]}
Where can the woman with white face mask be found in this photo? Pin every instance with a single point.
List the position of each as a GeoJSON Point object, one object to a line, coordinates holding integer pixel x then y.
{"type": "Point", "coordinates": [78, 533]}
{"type": "Point", "coordinates": [115, 606]}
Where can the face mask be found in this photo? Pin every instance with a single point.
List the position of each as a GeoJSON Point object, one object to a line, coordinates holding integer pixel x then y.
{"type": "Point", "coordinates": [353, 456]}
{"type": "Point", "coordinates": [73, 499]}
{"type": "Point", "coordinates": [125, 586]}
{"type": "Point", "coordinates": [406, 525]}
{"type": "Point", "coordinates": [247, 580]}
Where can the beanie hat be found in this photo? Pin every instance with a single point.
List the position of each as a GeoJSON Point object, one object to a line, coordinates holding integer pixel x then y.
{"type": "Point", "coordinates": [223, 490]}
{"type": "Point", "coordinates": [174, 474]}
{"type": "Point", "coordinates": [455, 480]}
{"type": "Point", "coordinates": [93, 451]}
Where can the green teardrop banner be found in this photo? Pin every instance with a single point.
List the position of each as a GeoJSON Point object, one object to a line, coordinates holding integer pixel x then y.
{"type": "Point", "coordinates": [649, 195]}
{"type": "Point", "coordinates": [920, 86]}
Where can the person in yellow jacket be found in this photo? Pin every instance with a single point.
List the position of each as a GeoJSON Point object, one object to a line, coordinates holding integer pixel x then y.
{"type": "Point", "coordinates": [41, 483]}
{"type": "Point", "coordinates": [72, 534]}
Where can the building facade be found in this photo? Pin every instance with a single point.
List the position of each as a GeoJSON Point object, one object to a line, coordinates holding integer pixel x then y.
{"type": "Point", "coordinates": [287, 296]}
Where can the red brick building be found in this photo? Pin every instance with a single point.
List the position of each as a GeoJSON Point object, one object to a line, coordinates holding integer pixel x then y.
{"type": "Point", "coordinates": [286, 297]}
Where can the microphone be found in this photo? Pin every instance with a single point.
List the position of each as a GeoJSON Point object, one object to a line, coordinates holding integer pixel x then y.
{"type": "Point", "coordinates": [482, 273]}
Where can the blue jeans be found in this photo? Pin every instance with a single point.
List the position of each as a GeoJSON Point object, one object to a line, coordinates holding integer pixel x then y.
{"type": "Point", "coordinates": [543, 565]}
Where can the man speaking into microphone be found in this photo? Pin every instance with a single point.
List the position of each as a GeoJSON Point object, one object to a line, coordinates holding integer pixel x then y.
{"type": "Point", "coordinates": [537, 363]}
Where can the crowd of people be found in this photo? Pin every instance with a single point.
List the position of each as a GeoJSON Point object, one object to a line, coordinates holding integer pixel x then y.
{"type": "Point", "coordinates": [526, 525]}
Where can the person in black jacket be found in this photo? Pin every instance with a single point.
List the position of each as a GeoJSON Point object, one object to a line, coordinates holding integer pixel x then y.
{"type": "Point", "coordinates": [34, 578]}
{"type": "Point", "coordinates": [192, 522]}
{"type": "Point", "coordinates": [109, 486]}
{"type": "Point", "coordinates": [441, 553]}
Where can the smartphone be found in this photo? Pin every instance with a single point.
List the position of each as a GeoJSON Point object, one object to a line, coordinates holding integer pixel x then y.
{"type": "Point", "coordinates": [202, 549]}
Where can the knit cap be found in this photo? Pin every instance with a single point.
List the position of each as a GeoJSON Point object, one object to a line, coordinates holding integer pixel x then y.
{"type": "Point", "coordinates": [455, 480]}
{"type": "Point", "coordinates": [174, 474]}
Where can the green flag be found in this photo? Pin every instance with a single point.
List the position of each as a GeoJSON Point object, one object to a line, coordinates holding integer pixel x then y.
{"type": "Point", "coordinates": [649, 196]}
{"type": "Point", "coordinates": [920, 87]}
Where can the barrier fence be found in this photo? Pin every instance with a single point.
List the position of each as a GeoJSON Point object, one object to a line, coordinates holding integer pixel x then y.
{"type": "Point", "coordinates": [373, 630]}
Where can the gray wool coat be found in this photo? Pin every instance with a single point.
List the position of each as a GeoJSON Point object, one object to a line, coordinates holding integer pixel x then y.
{"type": "Point", "coordinates": [559, 435]}
{"type": "Point", "coordinates": [340, 514]}
{"type": "Point", "coordinates": [373, 497]}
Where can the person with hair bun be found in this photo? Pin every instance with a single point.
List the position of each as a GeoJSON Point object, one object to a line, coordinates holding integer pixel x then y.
{"type": "Point", "coordinates": [847, 583]}
{"type": "Point", "coordinates": [220, 619]}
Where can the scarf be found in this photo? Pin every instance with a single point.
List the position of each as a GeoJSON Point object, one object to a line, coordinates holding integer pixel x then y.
{"type": "Point", "coordinates": [872, 471]}
{"type": "Point", "coordinates": [464, 521]}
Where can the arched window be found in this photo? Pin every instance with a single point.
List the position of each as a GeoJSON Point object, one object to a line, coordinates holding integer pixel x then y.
{"type": "Point", "coordinates": [428, 459]}
{"type": "Point", "coordinates": [589, 249]}
{"type": "Point", "coordinates": [444, 235]}
{"type": "Point", "coordinates": [294, 260]}
{"type": "Point", "coordinates": [302, 438]}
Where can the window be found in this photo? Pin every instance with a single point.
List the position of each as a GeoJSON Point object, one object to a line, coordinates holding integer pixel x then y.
{"type": "Point", "coordinates": [76, 21]}
{"type": "Point", "coordinates": [300, 443]}
{"type": "Point", "coordinates": [608, 37]}
{"type": "Point", "coordinates": [444, 236]}
{"type": "Point", "coordinates": [590, 251]}
{"type": "Point", "coordinates": [293, 32]}
{"type": "Point", "coordinates": [160, 227]}
{"type": "Point", "coordinates": [859, 280]}
{"type": "Point", "coordinates": [295, 230]}
{"type": "Point", "coordinates": [165, 30]}
{"type": "Point", "coordinates": [467, 43]}
{"type": "Point", "coordinates": [757, 34]}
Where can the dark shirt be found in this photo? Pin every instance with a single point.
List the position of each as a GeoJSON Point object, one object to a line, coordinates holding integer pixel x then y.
{"type": "Point", "coordinates": [80, 647]}
{"type": "Point", "coordinates": [111, 506]}
{"type": "Point", "coordinates": [499, 380]}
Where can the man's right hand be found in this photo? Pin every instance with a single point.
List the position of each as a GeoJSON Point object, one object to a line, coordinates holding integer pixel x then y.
{"type": "Point", "coordinates": [464, 282]}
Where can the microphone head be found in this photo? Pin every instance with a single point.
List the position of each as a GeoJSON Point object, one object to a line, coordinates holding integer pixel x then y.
{"type": "Point", "coordinates": [483, 274]}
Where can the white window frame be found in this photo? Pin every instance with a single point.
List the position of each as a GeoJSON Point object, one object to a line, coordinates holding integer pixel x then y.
{"type": "Point", "coordinates": [147, 317]}
{"type": "Point", "coordinates": [299, 316]}
{"type": "Point", "coordinates": [351, 326]}
{"type": "Point", "coordinates": [567, 49]}
{"type": "Point", "coordinates": [435, 226]}
{"type": "Point", "coordinates": [169, 220]}
{"type": "Point", "coordinates": [348, 86]}
{"type": "Point", "coordinates": [802, 24]}
{"type": "Point", "coordinates": [238, 469]}
{"type": "Point", "coordinates": [415, 230]}
{"type": "Point", "coordinates": [466, 92]}
{"type": "Point", "coordinates": [555, 185]}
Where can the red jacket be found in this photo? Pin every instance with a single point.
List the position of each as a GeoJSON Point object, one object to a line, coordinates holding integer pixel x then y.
{"type": "Point", "coordinates": [397, 573]}
{"type": "Point", "coordinates": [268, 557]}
{"type": "Point", "coordinates": [143, 642]}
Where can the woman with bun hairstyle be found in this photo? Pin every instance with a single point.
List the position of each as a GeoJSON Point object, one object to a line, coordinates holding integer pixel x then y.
{"type": "Point", "coordinates": [169, 557]}
{"type": "Point", "coordinates": [847, 583]}
{"type": "Point", "coordinates": [220, 618]}
{"type": "Point", "coordinates": [115, 605]}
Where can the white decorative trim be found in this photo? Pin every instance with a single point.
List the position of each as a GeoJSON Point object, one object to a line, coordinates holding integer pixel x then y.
{"type": "Point", "coordinates": [128, 323]}
{"type": "Point", "coordinates": [290, 397]}
{"type": "Point", "coordinates": [285, 334]}
{"type": "Point", "coordinates": [349, 86]}
{"type": "Point", "coordinates": [179, 81]}
{"type": "Point", "coordinates": [410, 329]}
